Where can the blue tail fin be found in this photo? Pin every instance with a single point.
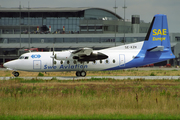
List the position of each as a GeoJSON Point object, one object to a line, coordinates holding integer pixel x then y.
{"type": "Point", "coordinates": [157, 45]}
{"type": "Point", "coordinates": [158, 34]}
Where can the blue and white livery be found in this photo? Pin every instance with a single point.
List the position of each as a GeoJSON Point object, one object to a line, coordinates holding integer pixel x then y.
{"type": "Point", "coordinates": [155, 48]}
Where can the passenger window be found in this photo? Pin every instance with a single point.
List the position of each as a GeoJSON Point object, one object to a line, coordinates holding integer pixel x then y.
{"type": "Point", "coordinates": [61, 62]}
{"type": "Point", "coordinates": [106, 61]}
{"type": "Point", "coordinates": [74, 62]}
{"type": "Point", "coordinates": [68, 62]}
{"type": "Point", "coordinates": [114, 61]}
{"type": "Point", "coordinates": [100, 61]}
{"type": "Point", "coordinates": [26, 57]}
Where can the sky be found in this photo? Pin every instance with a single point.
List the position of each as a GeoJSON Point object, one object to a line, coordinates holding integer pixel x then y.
{"type": "Point", "coordinates": [145, 8]}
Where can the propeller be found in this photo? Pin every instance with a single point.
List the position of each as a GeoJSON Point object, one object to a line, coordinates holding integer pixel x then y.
{"type": "Point", "coordinates": [53, 56]}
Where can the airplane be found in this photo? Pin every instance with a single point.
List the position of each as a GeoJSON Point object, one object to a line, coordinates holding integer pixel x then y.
{"type": "Point", "coordinates": [155, 48]}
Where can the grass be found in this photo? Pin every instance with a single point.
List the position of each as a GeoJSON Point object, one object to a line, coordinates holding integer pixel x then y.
{"type": "Point", "coordinates": [90, 99]}
{"type": "Point", "coordinates": [40, 74]}
{"type": "Point", "coordinates": [98, 73]}
{"type": "Point", "coordinates": [95, 98]}
{"type": "Point", "coordinates": [103, 117]}
{"type": "Point", "coordinates": [152, 74]}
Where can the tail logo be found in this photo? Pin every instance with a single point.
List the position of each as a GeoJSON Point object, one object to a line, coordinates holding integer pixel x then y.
{"type": "Point", "coordinates": [159, 32]}
{"type": "Point", "coordinates": [161, 38]}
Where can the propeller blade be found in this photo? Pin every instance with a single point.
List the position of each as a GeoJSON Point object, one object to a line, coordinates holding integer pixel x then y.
{"type": "Point", "coordinates": [53, 57]}
{"type": "Point", "coordinates": [53, 49]}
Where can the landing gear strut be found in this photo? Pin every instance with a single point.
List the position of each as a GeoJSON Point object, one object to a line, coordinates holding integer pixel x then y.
{"type": "Point", "coordinates": [16, 74]}
{"type": "Point", "coordinates": [80, 73]}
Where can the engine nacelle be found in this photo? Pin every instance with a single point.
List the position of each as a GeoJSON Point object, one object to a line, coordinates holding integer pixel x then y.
{"type": "Point", "coordinates": [66, 55]}
{"type": "Point", "coordinates": [91, 57]}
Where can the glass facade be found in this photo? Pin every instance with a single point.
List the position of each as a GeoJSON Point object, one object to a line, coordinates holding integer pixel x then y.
{"type": "Point", "coordinates": [58, 22]}
{"type": "Point", "coordinates": [70, 24]}
{"type": "Point", "coordinates": [177, 39]}
{"type": "Point", "coordinates": [97, 14]}
{"type": "Point", "coordinates": [71, 40]}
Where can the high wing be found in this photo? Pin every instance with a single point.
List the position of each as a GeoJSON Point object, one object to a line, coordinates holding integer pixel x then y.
{"type": "Point", "coordinates": [81, 55]}
{"type": "Point", "coordinates": [87, 54]}
{"type": "Point", "coordinates": [83, 51]}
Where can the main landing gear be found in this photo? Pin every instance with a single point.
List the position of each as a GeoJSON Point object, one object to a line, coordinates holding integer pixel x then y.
{"type": "Point", "coordinates": [80, 73]}
{"type": "Point", "coordinates": [16, 74]}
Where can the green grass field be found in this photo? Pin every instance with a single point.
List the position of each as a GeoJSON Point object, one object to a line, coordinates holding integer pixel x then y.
{"type": "Point", "coordinates": [129, 72]}
{"type": "Point", "coordinates": [90, 99]}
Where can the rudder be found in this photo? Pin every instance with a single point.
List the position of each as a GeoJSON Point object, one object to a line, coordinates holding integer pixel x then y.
{"type": "Point", "coordinates": [158, 33]}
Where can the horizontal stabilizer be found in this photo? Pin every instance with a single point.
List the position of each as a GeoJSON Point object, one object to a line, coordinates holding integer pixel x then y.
{"type": "Point", "coordinates": [157, 48]}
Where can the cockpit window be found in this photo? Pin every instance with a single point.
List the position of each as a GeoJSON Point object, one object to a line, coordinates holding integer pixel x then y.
{"type": "Point", "coordinates": [21, 57]}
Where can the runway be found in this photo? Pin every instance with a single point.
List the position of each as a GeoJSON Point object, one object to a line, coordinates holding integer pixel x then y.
{"type": "Point", "coordinates": [112, 77]}
{"type": "Point", "coordinates": [101, 77]}
{"type": "Point", "coordinates": [139, 68]}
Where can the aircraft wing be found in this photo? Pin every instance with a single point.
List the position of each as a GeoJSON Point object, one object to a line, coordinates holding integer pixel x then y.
{"type": "Point", "coordinates": [83, 51]}
{"type": "Point", "coordinates": [86, 54]}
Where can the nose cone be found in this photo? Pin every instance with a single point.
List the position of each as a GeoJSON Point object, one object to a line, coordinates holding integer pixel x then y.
{"type": "Point", "coordinates": [5, 65]}
{"type": "Point", "coordinates": [10, 64]}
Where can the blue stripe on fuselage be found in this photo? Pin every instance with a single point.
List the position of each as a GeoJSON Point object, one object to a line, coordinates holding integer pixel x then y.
{"type": "Point", "coordinates": [144, 58]}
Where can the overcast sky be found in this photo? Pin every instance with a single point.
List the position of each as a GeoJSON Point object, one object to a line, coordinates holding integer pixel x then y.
{"type": "Point", "coordinates": [145, 8]}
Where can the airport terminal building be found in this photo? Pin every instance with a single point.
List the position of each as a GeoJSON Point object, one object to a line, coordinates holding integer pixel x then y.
{"type": "Point", "coordinates": [70, 28]}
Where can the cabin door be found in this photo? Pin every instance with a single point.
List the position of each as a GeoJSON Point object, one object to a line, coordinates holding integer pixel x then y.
{"type": "Point", "coordinates": [121, 60]}
{"type": "Point", "coordinates": [37, 64]}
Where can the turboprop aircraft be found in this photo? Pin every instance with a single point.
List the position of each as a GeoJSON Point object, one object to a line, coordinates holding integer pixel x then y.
{"type": "Point", "coordinates": [155, 48]}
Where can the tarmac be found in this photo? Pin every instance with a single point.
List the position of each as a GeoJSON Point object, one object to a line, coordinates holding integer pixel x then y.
{"type": "Point", "coordinates": [112, 77]}
{"type": "Point", "coordinates": [100, 77]}
{"type": "Point", "coordinates": [140, 68]}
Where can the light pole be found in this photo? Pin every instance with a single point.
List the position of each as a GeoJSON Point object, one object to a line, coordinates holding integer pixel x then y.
{"type": "Point", "coordinates": [115, 7]}
{"type": "Point", "coordinates": [124, 7]}
{"type": "Point", "coordinates": [20, 21]}
{"type": "Point", "coordinates": [28, 25]}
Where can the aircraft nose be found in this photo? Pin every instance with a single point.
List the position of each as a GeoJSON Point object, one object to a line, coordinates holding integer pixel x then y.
{"type": "Point", "coordinates": [10, 64]}
{"type": "Point", "coordinates": [5, 65]}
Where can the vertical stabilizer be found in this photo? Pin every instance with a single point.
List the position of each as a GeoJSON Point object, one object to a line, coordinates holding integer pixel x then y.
{"type": "Point", "coordinates": [157, 47]}
{"type": "Point", "coordinates": [158, 34]}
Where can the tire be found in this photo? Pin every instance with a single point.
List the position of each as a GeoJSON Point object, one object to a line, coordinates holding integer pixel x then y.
{"type": "Point", "coordinates": [78, 73]}
{"type": "Point", "coordinates": [83, 73]}
{"type": "Point", "coordinates": [16, 74]}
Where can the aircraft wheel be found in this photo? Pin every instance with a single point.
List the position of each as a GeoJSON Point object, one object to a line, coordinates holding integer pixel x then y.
{"type": "Point", "coordinates": [78, 73]}
{"type": "Point", "coordinates": [16, 74]}
{"type": "Point", "coordinates": [83, 73]}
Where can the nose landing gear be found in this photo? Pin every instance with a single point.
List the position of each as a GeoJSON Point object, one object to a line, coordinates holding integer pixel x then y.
{"type": "Point", "coordinates": [16, 74]}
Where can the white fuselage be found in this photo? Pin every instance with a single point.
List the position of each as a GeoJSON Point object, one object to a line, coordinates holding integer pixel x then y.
{"type": "Point", "coordinates": [42, 61]}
